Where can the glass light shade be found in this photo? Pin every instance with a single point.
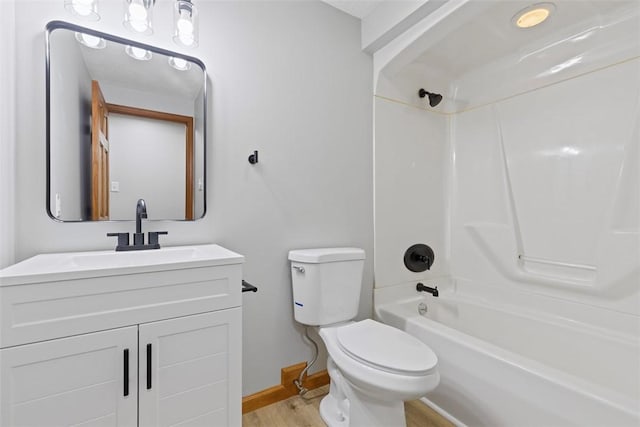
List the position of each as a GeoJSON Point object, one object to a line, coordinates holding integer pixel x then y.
{"type": "Point", "coordinates": [179, 63]}
{"type": "Point", "coordinates": [533, 15]}
{"type": "Point", "coordinates": [185, 24]}
{"type": "Point", "coordinates": [87, 9]}
{"type": "Point", "coordinates": [91, 41]}
{"type": "Point", "coordinates": [138, 53]}
{"type": "Point", "coordinates": [138, 16]}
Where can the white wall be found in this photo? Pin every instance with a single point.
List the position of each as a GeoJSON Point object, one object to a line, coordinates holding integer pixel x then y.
{"type": "Point", "coordinates": [301, 96]}
{"type": "Point", "coordinates": [288, 79]}
{"type": "Point", "coordinates": [411, 186]}
{"type": "Point", "coordinates": [147, 158]}
{"type": "Point", "coordinates": [7, 135]}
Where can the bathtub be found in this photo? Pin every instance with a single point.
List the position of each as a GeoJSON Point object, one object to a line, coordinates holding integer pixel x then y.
{"type": "Point", "coordinates": [503, 365]}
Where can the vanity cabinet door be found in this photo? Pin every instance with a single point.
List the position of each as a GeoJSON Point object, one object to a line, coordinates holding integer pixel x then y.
{"type": "Point", "coordinates": [190, 370]}
{"type": "Point", "coordinates": [71, 381]}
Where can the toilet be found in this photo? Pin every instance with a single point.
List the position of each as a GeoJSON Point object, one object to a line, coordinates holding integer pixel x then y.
{"type": "Point", "coordinates": [373, 367]}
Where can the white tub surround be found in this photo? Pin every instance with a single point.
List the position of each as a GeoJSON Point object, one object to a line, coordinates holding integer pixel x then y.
{"type": "Point", "coordinates": [501, 364]}
{"type": "Point", "coordinates": [525, 180]}
{"type": "Point", "coordinates": [150, 336]}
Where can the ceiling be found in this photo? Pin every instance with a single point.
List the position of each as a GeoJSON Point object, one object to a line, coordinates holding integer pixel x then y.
{"type": "Point", "coordinates": [499, 37]}
{"type": "Point", "coordinates": [476, 55]}
{"type": "Point", "coordinates": [357, 8]}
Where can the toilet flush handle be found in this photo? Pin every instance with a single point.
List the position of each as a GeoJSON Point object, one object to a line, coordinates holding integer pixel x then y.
{"type": "Point", "coordinates": [298, 268]}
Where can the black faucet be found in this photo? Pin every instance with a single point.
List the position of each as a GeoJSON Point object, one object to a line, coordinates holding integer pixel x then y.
{"type": "Point", "coordinates": [138, 236]}
{"type": "Point", "coordinates": [141, 212]}
{"type": "Point", "coordinates": [420, 287]}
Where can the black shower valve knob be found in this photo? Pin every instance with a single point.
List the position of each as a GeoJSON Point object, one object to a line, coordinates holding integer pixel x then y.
{"type": "Point", "coordinates": [253, 158]}
{"type": "Point", "coordinates": [419, 257]}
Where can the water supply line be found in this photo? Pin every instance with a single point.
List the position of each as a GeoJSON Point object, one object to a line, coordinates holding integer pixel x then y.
{"type": "Point", "coordinates": [298, 383]}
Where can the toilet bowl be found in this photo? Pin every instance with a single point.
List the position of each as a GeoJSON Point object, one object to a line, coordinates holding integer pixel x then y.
{"type": "Point", "coordinates": [373, 367]}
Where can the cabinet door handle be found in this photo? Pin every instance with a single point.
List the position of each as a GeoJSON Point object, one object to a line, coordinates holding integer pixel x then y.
{"type": "Point", "coordinates": [126, 372]}
{"type": "Point", "coordinates": [148, 366]}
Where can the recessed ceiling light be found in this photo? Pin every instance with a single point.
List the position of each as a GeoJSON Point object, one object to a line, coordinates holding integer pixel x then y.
{"type": "Point", "coordinates": [533, 15]}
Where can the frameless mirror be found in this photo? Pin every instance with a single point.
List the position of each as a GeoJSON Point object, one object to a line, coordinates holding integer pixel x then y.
{"type": "Point", "coordinates": [125, 121]}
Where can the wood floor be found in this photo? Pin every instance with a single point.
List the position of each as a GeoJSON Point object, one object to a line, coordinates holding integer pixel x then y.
{"type": "Point", "coordinates": [303, 412]}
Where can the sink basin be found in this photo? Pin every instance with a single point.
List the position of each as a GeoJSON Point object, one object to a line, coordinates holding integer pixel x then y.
{"type": "Point", "coordinates": [127, 259]}
{"type": "Point", "coordinates": [76, 265]}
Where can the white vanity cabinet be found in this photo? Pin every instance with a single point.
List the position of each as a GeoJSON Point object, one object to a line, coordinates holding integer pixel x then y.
{"type": "Point", "coordinates": [151, 342]}
{"type": "Point", "coordinates": [70, 381]}
{"type": "Point", "coordinates": [190, 370]}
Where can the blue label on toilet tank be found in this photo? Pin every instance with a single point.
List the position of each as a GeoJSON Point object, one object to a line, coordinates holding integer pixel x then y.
{"type": "Point", "coordinates": [298, 304]}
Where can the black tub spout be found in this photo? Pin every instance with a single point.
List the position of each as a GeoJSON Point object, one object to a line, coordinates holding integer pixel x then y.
{"type": "Point", "coordinates": [420, 287]}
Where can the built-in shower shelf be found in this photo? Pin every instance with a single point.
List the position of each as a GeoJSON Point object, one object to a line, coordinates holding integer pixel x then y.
{"type": "Point", "coordinates": [498, 242]}
{"type": "Point", "coordinates": [556, 263]}
{"type": "Point", "coordinates": [552, 268]}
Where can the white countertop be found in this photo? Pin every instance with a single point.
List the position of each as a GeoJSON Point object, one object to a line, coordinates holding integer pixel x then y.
{"type": "Point", "coordinates": [80, 265]}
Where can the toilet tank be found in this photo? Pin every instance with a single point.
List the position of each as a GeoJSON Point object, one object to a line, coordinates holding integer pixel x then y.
{"type": "Point", "coordinates": [326, 284]}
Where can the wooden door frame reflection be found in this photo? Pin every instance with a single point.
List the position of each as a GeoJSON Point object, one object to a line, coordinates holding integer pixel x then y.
{"type": "Point", "coordinates": [176, 118]}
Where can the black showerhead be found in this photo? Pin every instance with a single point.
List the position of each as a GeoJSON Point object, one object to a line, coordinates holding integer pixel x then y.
{"type": "Point", "coordinates": [434, 98]}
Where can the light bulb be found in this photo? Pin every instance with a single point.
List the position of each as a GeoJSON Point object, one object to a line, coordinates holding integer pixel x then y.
{"type": "Point", "coordinates": [185, 19]}
{"type": "Point", "coordinates": [91, 41]}
{"type": "Point", "coordinates": [137, 12]}
{"type": "Point", "coordinates": [86, 9]}
{"type": "Point", "coordinates": [82, 7]}
{"type": "Point", "coordinates": [179, 63]}
{"type": "Point", "coordinates": [185, 26]}
{"type": "Point", "coordinates": [185, 31]}
{"type": "Point", "coordinates": [186, 39]}
{"type": "Point", "coordinates": [138, 16]}
{"type": "Point", "coordinates": [138, 53]}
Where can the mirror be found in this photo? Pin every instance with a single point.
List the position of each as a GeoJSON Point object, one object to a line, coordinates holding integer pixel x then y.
{"type": "Point", "coordinates": [125, 121]}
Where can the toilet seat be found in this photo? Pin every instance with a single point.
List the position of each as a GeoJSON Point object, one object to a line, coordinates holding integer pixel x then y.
{"type": "Point", "coordinates": [386, 348]}
{"type": "Point", "coordinates": [383, 383]}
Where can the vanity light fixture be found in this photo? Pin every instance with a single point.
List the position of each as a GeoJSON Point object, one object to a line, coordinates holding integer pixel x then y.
{"type": "Point", "coordinates": [87, 9]}
{"type": "Point", "coordinates": [533, 15]}
{"type": "Point", "coordinates": [185, 23]}
{"type": "Point", "coordinates": [138, 16]}
{"type": "Point", "coordinates": [179, 63]}
{"type": "Point", "coordinates": [91, 41]}
{"type": "Point", "coordinates": [138, 53]}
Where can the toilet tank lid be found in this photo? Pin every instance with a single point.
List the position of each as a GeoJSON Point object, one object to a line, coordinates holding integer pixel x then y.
{"type": "Point", "coordinates": [319, 255]}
